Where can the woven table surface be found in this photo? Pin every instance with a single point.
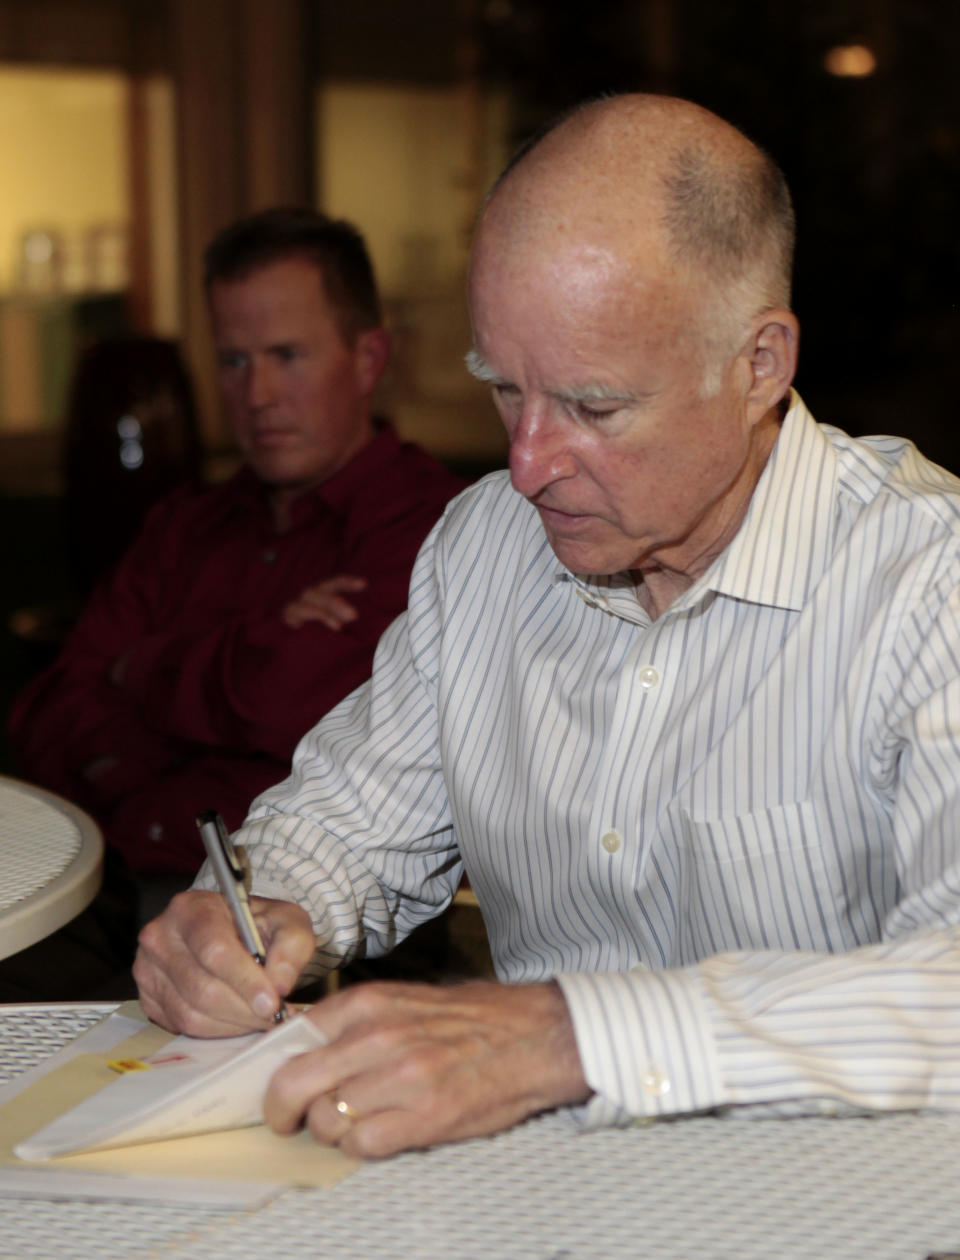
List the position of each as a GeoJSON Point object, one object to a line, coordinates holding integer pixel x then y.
{"type": "Point", "coordinates": [721, 1188]}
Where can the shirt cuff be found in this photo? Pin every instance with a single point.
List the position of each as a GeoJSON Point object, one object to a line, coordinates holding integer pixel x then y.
{"type": "Point", "coordinates": [645, 1042]}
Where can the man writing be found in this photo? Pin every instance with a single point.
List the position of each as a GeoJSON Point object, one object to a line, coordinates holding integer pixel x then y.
{"type": "Point", "coordinates": [246, 610]}
{"type": "Point", "coordinates": [683, 701]}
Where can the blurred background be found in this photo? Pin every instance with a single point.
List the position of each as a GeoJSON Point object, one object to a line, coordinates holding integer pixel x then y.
{"type": "Point", "coordinates": [131, 131]}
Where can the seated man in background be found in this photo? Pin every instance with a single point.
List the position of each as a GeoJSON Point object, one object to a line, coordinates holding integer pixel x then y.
{"type": "Point", "coordinates": [244, 611]}
{"type": "Point", "coordinates": [683, 701]}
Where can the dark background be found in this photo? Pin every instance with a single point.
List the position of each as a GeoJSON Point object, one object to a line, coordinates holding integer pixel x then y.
{"type": "Point", "coordinates": [873, 163]}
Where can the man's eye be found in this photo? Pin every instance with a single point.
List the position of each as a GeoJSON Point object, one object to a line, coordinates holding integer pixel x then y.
{"type": "Point", "coordinates": [599, 412]}
{"type": "Point", "coordinates": [230, 359]}
{"type": "Point", "coordinates": [286, 354]}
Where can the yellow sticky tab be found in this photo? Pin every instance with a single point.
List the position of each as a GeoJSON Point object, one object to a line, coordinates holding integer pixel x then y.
{"type": "Point", "coordinates": [128, 1065]}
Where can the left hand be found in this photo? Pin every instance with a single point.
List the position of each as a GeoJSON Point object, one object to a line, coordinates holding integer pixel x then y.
{"type": "Point", "coordinates": [417, 1065]}
{"type": "Point", "coordinates": [325, 602]}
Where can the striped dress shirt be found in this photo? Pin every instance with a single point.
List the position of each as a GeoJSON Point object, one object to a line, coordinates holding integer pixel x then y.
{"type": "Point", "coordinates": [732, 833]}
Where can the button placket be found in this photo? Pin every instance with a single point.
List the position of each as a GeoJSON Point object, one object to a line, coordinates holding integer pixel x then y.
{"type": "Point", "coordinates": [634, 728]}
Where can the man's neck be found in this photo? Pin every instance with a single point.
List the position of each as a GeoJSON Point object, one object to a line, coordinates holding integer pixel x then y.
{"type": "Point", "coordinates": [666, 578]}
{"type": "Point", "coordinates": [281, 500]}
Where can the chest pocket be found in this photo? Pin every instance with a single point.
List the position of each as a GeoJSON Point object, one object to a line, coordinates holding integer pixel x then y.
{"type": "Point", "coordinates": [761, 881]}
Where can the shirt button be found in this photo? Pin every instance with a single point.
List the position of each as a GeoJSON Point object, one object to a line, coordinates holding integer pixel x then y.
{"type": "Point", "coordinates": [655, 1083]}
{"type": "Point", "coordinates": [611, 841]}
{"type": "Point", "coordinates": [269, 557]}
{"type": "Point", "coordinates": [155, 832]}
{"type": "Point", "coordinates": [649, 677]}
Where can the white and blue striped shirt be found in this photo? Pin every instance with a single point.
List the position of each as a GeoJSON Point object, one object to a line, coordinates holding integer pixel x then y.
{"type": "Point", "coordinates": [733, 833]}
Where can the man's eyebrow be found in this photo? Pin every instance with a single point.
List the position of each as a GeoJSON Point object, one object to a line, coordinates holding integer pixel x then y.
{"type": "Point", "coordinates": [593, 392]}
{"type": "Point", "coordinates": [589, 392]}
{"type": "Point", "coordinates": [478, 367]}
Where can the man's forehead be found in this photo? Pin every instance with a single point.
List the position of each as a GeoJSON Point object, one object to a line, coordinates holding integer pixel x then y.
{"type": "Point", "coordinates": [287, 293]}
{"type": "Point", "coordinates": [527, 237]}
{"type": "Point", "coordinates": [584, 280]}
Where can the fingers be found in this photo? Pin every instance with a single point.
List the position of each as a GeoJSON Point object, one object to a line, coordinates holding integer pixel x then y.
{"type": "Point", "coordinates": [330, 610]}
{"type": "Point", "coordinates": [325, 603]}
{"type": "Point", "coordinates": [341, 582]}
{"type": "Point", "coordinates": [289, 940]}
{"type": "Point", "coordinates": [195, 976]}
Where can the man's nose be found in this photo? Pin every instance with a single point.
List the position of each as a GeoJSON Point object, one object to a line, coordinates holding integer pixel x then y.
{"type": "Point", "coordinates": [260, 385]}
{"type": "Point", "coordinates": [539, 454]}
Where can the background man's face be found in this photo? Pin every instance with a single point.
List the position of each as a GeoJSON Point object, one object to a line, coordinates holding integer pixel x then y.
{"type": "Point", "coordinates": [296, 395]}
{"type": "Point", "coordinates": [598, 380]}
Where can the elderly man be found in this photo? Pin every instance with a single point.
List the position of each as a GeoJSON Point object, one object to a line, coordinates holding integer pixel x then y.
{"type": "Point", "coordinates": [245, 610]}
{"type": "Point", "coordinates": [682, 700]}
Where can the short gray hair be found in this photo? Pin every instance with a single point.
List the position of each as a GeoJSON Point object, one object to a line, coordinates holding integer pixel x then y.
{"type": "Point", "coordinates": [734, 225]}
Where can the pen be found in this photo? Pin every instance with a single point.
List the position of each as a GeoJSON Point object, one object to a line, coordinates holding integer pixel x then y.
{"type": "Point", "coordinates": [231, 877]}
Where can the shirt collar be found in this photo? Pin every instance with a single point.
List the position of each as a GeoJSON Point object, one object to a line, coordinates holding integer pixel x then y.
{"type": "Point", "coordinates": [782, 547]}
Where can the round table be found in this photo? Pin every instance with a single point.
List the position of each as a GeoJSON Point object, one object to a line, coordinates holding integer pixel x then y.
{"type": "Point", "coordinates": [51, 863]}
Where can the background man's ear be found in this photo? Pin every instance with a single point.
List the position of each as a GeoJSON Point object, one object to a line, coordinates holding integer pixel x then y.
{"type": "Point", "coordinates": [773, 358]}
{"type": "Point", "coordinates": [371, 354]}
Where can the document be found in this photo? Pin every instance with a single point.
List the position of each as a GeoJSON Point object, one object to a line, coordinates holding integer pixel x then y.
{"type": "Point", "coordinates": [187, 1087]}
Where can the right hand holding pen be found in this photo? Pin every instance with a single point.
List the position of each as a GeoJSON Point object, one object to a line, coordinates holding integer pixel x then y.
{"type": "Point", "coordinates": [196, 977]}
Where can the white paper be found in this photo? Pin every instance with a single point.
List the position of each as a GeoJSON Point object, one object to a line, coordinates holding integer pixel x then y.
{"type": "Point", "coordinates": [67, 1184]}
{"type": "Point", "coordinates": [219, 1085]}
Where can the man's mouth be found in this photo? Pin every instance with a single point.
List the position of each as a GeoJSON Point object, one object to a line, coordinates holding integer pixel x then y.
{"type": "Point", "coordinates": [560, 517]}
{"type": "Point", "coordinates": [270, 437]}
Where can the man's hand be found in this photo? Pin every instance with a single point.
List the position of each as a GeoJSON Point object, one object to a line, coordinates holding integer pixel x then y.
{"type": "Point", "coordinates": [324, 602]}
{"type": "Point", "coordinates": [196, 977]}
{"type": "Point", "coordinates": [414, 1065]}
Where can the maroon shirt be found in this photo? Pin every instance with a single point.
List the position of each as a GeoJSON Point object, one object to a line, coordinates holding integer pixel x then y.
{"type": "Point", "coordinates": [217, 689]}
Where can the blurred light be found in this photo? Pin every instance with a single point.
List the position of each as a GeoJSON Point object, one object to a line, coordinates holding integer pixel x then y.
{"type": "Point", "coordinates": [128, 428]}
{"type": "Point", "coordinates": [131, 455]}
{"type": "Point", "coordinates": [850, 61]}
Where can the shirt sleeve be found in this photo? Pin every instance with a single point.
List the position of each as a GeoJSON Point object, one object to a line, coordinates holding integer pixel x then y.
{"type": "Point", "coordinates": [874, 1029]}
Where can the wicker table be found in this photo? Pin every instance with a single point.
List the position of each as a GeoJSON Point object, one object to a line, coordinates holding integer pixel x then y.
{"type": "Point", "coordinates": [51, 864]}
{"type": "Point", "coordinates": [723, 1189]}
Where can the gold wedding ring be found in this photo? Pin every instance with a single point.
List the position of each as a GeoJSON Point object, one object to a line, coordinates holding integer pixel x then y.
{"type": "Point", "coordinates": [348, 1112]}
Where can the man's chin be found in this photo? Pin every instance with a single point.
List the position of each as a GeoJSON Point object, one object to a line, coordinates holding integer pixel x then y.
{"type": "Point", "coordinates": [276, 472]}
{"type": "Point", "coordinates": [583, 557]}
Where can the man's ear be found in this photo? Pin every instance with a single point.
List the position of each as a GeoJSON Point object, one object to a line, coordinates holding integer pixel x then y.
{"type": "Point", "coordinates": [772, 352]}
{"type": "Point", "coordinates": [371, 353]}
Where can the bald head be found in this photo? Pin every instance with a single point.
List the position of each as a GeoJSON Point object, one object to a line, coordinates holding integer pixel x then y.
{"type": "Point", "coordinates": [666, 188]}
